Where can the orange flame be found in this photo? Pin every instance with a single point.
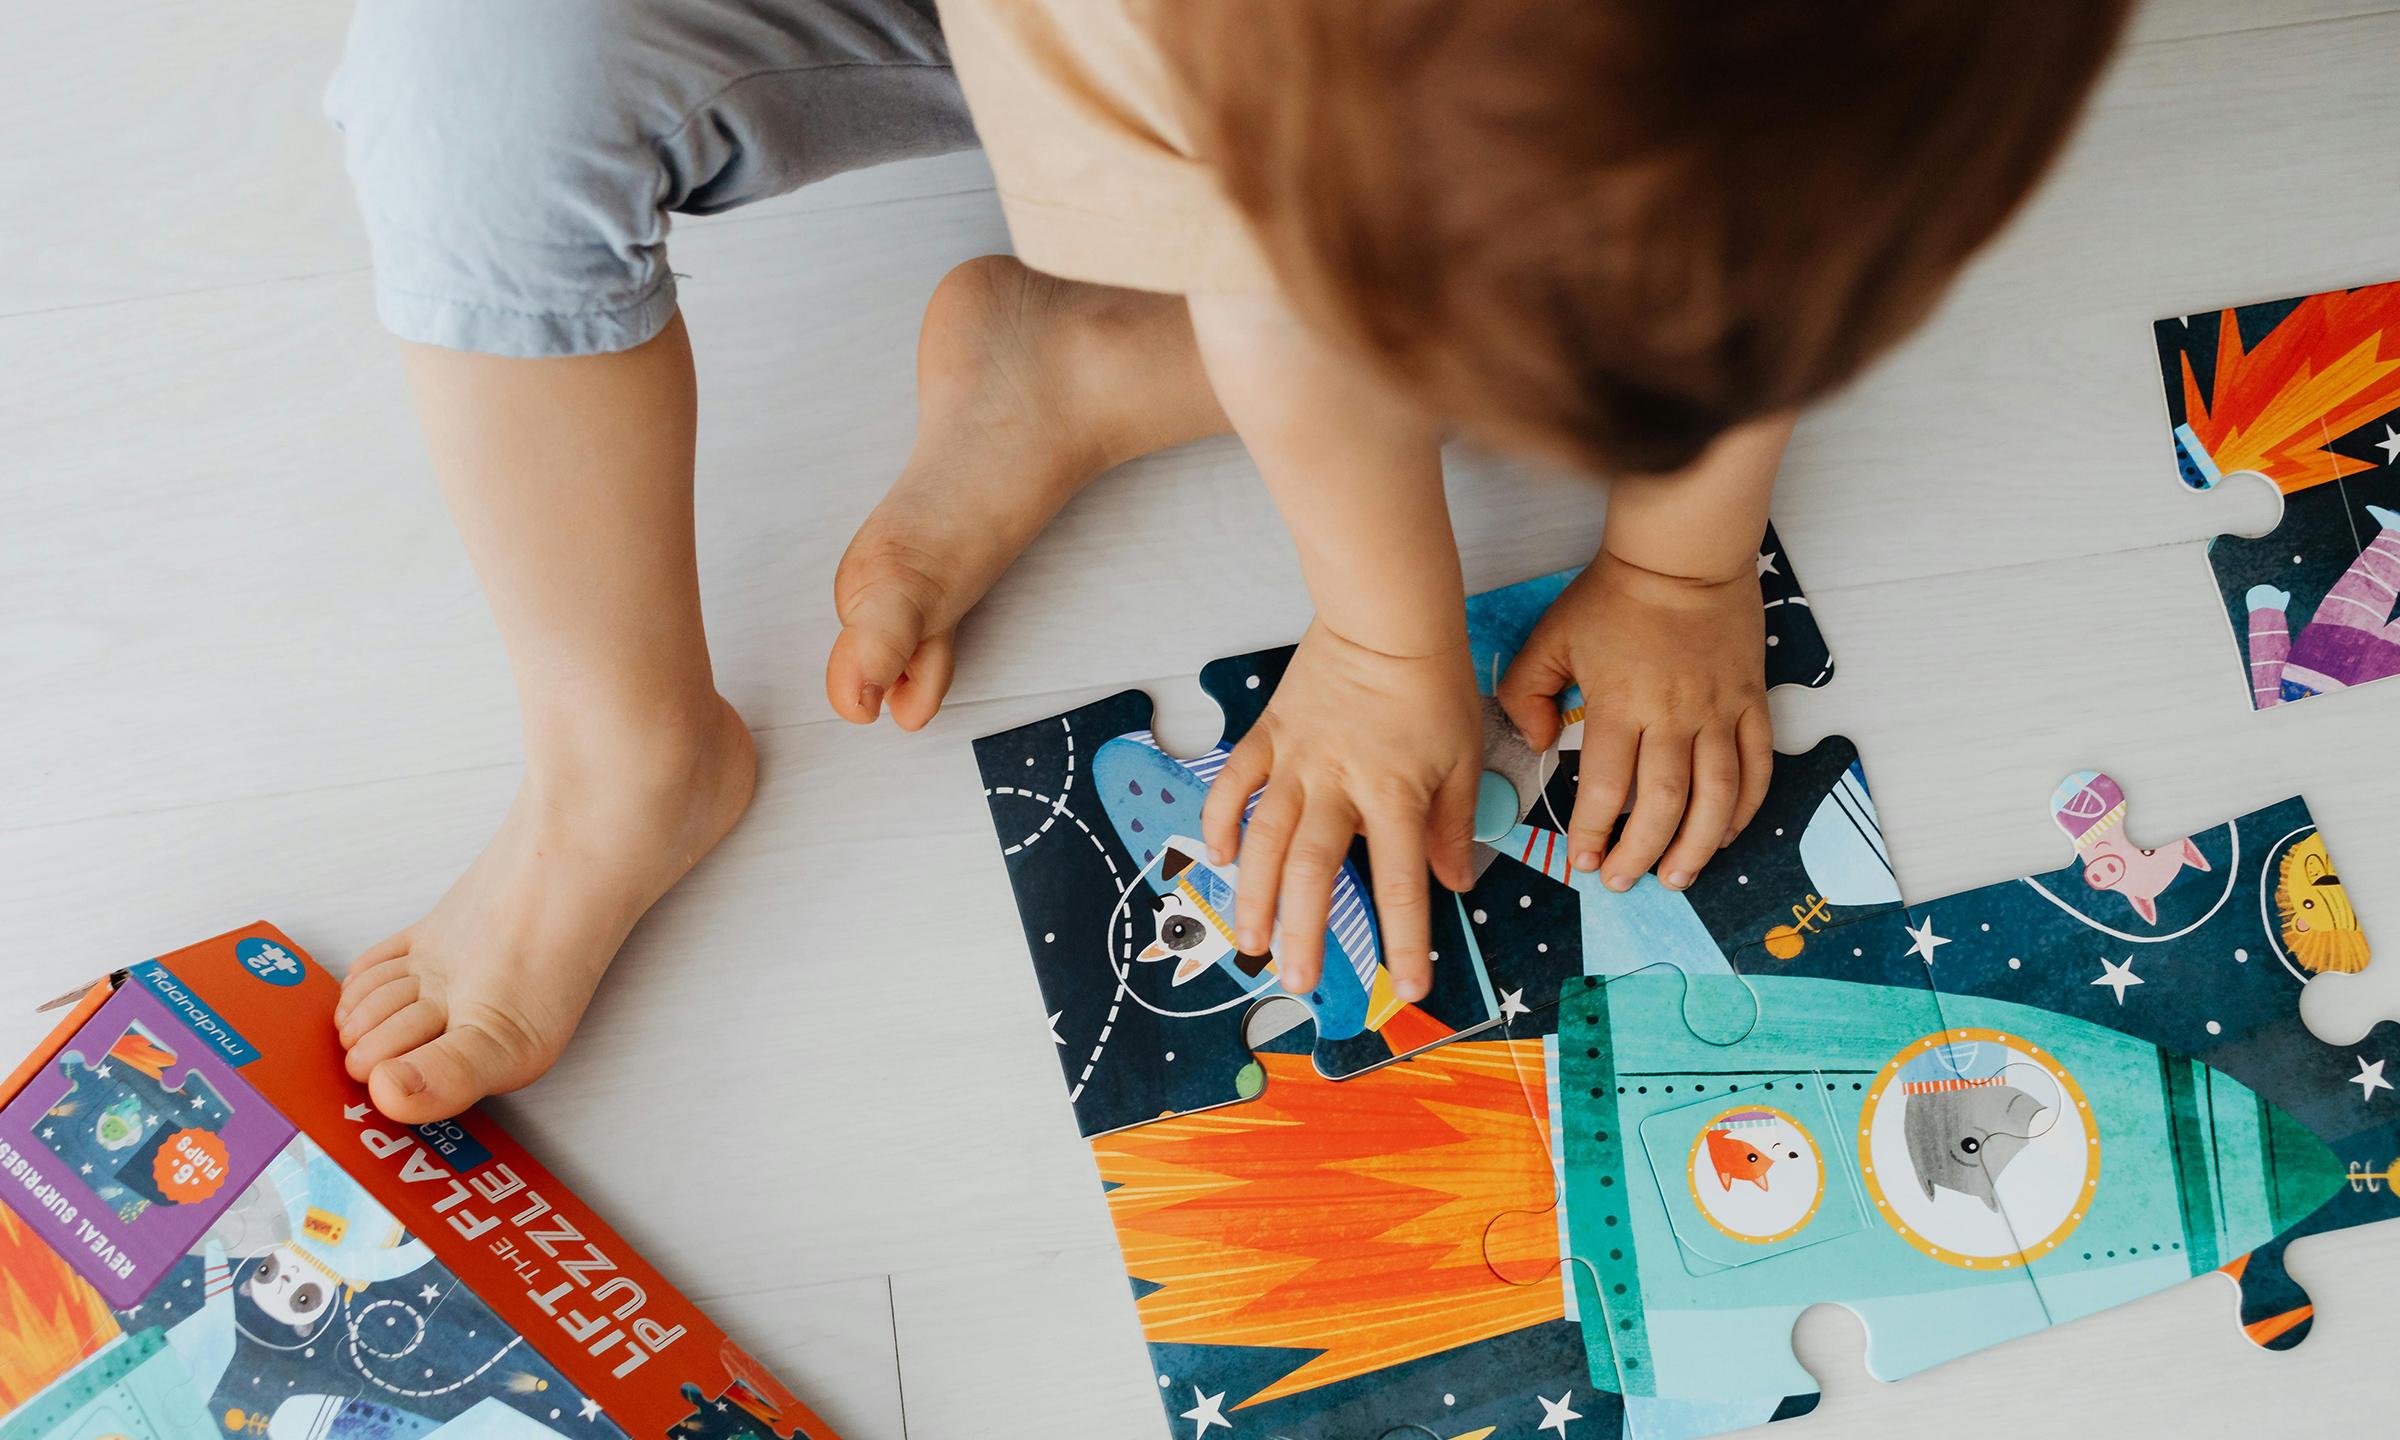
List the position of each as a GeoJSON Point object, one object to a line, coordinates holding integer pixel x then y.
{"type": "Point", "coordinates": [2331, 366]}
{"type": "Point", "coordinates": [139, 1049]}
{"type": "Point", "coordinates": [1346, 1218]}
{"type": "Point", "coordinates": [49, 1319]}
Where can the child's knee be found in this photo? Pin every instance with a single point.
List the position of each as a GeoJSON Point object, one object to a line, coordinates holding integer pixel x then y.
{"type": "Point", "coordinates": [510, 189]}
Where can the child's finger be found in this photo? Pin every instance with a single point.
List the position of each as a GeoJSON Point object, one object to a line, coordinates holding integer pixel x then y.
{"type": "Point", "coordinates": [1450, 829]}
{"type": "Point", "coordinates": [1403, 901]}
{"type": "Point", "coordinates": [1600, 790]}
{"type": "Point", "coordinates": [1662, 784]}
{"type": "Point", "coordinates": [1528, 691]}
{"type": "Point", "coordinates": [1264, 840]}
{"type": "Point", "coordinates": [1754, 737]}
{"type": "Point", "coordinates": [1318, 849]}
{"type": "Point", "coordinates": [1229, 794]}
{"type": "Point", "coordinates": [1716, 787]}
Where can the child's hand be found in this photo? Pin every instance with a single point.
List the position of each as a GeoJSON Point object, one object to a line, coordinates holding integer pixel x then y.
{"type": "Point", "coordinates": [1353, 742]}
{"type": "Point", "coordinates": [1673, 672]}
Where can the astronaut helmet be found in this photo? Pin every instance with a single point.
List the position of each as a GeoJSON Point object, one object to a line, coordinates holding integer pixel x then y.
{"type": "Point", "coordinates": [288, 1288]}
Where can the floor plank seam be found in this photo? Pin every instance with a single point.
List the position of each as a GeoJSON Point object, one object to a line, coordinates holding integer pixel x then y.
{"type": "Point", "coordinates": [891, 1298]}
{"type": "Point", "coordinates": [2268, 27]}
{"type": "Point", "coordinates": [297, 277]}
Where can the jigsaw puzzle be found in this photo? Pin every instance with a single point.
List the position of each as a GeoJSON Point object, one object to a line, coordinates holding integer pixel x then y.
{"type": "Point", "coordinates": [2304, 394]}
{"type": "Point", "coordinates": [1667, 1122]}
{"type": "Point", "coordinates": [202, 1236]}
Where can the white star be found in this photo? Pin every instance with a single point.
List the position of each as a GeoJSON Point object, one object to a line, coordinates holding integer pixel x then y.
{"type": "Point", "coordinates": [1766, 563]}
{"type": "Point", "coordinates": [1210, 1410]}
{"type": "Point", "coordinates": [354, 1112]}
{"type": "Point", "coordinates": [103, 1072]}
{"type": "Point", "coordinates": [1512, 1004]}
{"type": "Point", "coordinates": [2390, 446]}
{"type": "Point", "coordinates": [1055, 1037]}
{"type": "Point", "coordinates": [2118, 976]}
{"type": "Point", "coordinates": [1555, 1413]}
{"type": "Point", "coordinates": [1922, 942]}
{"type": "Point", "coordinates": [87, 1167]}
{"type": "Point", "coordinates": [430, 1293]}
{"type": "Point", "coordinates": [2369, 1079]}
{"type": "Point", "coordinates": [590, 1409]}
{"type": "Point", "coordinates": [48, 1133]}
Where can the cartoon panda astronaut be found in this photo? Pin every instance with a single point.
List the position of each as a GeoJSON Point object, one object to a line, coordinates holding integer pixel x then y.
{"type": "Point", "coordinates": [339, 1241]}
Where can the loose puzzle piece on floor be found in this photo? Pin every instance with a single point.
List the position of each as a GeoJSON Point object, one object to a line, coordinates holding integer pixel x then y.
{"type": "Point", "coordinates": [1131, 926]}
{"type": "Point", "coordinates": [207, 1232]}
{"type": "Point", "coordinates": [1963, 1119]}
{"type": "Point", "coordinates": [2305, 394]}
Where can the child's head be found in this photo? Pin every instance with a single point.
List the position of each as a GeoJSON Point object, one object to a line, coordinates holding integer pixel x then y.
{"type": "Point", "coordinates": [1611, 229]}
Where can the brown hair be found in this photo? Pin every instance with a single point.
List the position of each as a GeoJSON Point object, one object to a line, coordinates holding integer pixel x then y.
{"type": "Point", "coordinates": [1613, 229]}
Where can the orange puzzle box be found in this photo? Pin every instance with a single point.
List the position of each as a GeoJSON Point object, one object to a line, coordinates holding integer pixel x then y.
{"type": "Point", "coordinates": [206, 1231]}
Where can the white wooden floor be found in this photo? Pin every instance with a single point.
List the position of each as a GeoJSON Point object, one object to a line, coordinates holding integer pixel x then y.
{"type": "Point", "coordinates": [244, 671]}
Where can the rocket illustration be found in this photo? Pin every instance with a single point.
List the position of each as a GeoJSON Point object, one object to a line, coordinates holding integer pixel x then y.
{"type": "Point", "coordinates": [1153, 800]}
{"type": "Point", "coordinates": [2009, 1167]}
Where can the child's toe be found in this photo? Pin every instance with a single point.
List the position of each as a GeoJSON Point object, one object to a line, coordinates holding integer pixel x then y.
{"type": "Point", "coordinates": [918, 695]}
{"type": "Point", "coordinates": [371, 972]}
{"type": "Point", "coordinates": [362, 1013]}
{"type": "Point", "coordinates": [881, 630]}
{"type": "Point", "coordinates": [448, 1074]}
{"type": "Point", "coordinates": [401, 1031]}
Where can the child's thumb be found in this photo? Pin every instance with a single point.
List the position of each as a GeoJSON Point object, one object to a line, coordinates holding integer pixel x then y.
{"type": "Point", "coordinates": [1528, 693]}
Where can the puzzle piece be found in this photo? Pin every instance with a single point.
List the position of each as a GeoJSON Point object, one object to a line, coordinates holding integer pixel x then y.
{"type": "Point", "coordinates": [1700, 1269]}
{"type": "Point", "coordinates": [142, 1143]}
{"type": "Point", "coordinates": [1131, 926]}
{"type": "Point", "coordinates": [1140, 1034]}
{"type": "Point", "coordinates": [1309, 1264]}
{"type": "Point", "coordinates": [119, 1114]}
{"type": "Point", "coordinates": [2158, 989]}
{"type": "Point", "coordinates": [2304, 394]}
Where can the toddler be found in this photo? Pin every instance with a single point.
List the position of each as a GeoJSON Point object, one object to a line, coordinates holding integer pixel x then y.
{"type": "Point", "coordinates": [1632, 234]}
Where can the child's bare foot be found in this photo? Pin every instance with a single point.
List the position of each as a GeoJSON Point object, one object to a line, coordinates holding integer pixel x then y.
{"type": "Point", "coordinates": [481, 995]}
{"type": "Point", "coordinates": [1027, 388]}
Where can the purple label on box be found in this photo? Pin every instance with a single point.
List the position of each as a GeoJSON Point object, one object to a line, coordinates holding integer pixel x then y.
{"type": "Point", "coordinates": [125, 1148]}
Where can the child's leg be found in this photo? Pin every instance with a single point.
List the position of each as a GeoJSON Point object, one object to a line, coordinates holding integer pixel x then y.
{"type": "Point", "coordinates": [517, 166]}
{"type": "Point", "coordinates": [571, 484]}
{"type": "Point", "coordinates": [1028, 387]}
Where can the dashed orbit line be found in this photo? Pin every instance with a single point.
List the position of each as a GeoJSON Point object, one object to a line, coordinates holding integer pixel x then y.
{"type": "Point", "coordinates": [1058, 806]}
{"type": "Point", "coordinates": [357, 1345]}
